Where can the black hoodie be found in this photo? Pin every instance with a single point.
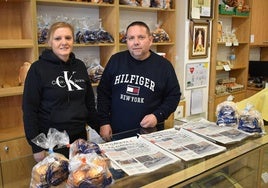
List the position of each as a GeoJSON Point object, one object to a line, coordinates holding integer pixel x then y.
{"type": "Point", "coordinates": [57, 94]}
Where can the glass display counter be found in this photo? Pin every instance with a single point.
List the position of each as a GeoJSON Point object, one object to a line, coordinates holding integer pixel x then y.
{"type": "Point", "coordinates": [242, 165]}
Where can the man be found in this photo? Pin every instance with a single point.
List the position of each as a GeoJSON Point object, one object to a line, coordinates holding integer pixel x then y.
{"type": "Point", "coordinates": [138, 88]}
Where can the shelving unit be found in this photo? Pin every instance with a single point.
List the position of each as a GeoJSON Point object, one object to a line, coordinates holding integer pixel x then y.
{"type": "Point", "coordinates": [18, 44]}
{"type": "Point", "coordinates": [74, 9]}
{"type": "Point", "coordinates": [220, 52]}
{"type": "Point", "coordinates": [259, 32]}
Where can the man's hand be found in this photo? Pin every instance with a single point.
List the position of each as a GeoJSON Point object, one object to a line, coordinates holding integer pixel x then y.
{"type": "Point", "coordinates": [148, 121]}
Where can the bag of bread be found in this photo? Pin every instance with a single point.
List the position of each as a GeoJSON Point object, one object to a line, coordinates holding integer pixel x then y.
{"type": "Point", "coordinates": [227, 113]}
{"type": "Point", "coordinates": [89, 170]}
{"type": "Point", "coordinates": [53, 169]}
{"type": "Point", "coordinates": [81, 146]}
{"type": "Point", "coordinates": [250, 120]}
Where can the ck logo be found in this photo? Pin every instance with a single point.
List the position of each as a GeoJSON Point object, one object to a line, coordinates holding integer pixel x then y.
{"type": "Point", "coordinates": [65, 81]}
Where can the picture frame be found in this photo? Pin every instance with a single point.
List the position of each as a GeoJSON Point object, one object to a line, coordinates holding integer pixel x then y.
{"type": "Point", "coordinates": [198, 43]}
{"type": "Point", "coordinates": [200, 9]}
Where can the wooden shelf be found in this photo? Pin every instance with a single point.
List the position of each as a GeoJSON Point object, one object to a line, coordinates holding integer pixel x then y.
{"type": "Point", "coordinates": [18, 43]}
{"type": "Point", "coordinates": [82, 45]}
{"type": "Point", "coordinates": [72, 3]}
{"type": "Point", "coordinates": [138, 8]}
{"type": "Point", "coordinates": [219, 51]}
{"type": "Point", "coordinates": [11, 91]}
{"type": "Point", "coordinates": [232, 16]}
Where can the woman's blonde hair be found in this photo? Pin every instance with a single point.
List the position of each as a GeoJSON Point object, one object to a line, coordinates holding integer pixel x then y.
{"type": "Point", "coordinates": [58, 25]}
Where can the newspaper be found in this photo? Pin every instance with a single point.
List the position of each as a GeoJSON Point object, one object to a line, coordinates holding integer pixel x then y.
{"type": "Point", "coordinates": [183, 144]}
{"type": "Point", "coordinates": [136, 155]}
{"type": "Point", "coordinates": [215, 133]}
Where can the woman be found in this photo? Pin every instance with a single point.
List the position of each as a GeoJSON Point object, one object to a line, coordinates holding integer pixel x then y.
{"type": "Point", "coordinates": [57, 92]}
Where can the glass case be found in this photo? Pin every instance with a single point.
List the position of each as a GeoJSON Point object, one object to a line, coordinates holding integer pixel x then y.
{"type": "Point", "coordinates": [242, 165]}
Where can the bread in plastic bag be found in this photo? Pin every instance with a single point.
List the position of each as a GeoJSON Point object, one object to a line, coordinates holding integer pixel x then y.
{"type": "Point", "coordinates": [250, 120]}
{"type": "Point", "coordinates": [89, 170]}
{"type": "Point", "coordinates": [53, 170]}
{"type": "Point", "coordinates": [227, 113]}
{"type": "Point", "coordinates": [81, 146]}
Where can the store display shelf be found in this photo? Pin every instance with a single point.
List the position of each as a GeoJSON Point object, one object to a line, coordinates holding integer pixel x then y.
{"type": "Point", "coordinates": [225, 95]}
{"type": "Point", "coordinates": [239, 43]}
{"type": "Point", "coordinates": [139, 8]}
{"type": "Point", "coordinates": [72, 3]}
{"type": "Point", "coordinates": [220, 68]}
{"type": "Point", "coordinates": [16, 43]}
{"type": "Point", "coordinates": [11, 91]}
{"type": "Point", "coordinates": [233, 16]}
{"type": "Point", "coordinates": [82, 45]}
{"type": "Point", "coordinates": [156, 44]}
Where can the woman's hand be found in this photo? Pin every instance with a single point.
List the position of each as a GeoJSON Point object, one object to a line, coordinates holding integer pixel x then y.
{"type": "Point", "coordinates": [39, 156]}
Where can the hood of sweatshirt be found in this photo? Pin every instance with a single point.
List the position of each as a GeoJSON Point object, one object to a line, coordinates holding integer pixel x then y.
{"type": "Point", "coordinates": [49, 56]}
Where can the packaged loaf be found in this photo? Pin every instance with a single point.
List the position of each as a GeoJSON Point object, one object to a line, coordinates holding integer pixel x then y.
{"type": "Point", "coordinates": [53, 170]}
{"type": "Point", "coordinates": [89, 170]}
{"type": "Point", "coordinates": [250, 120]}
{"type": "Point", "coordinates": [227, 113]}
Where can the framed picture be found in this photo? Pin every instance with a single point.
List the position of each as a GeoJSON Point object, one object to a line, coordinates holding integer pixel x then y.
{"type": "Point", "coordinates": [200, 9]}
{"type": "Point", "coordinates": [198, 43]}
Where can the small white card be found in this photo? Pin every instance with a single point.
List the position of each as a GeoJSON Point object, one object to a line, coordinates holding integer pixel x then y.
{"type": "Point", "coordinates": [264, 177]}
{"type": "Point", "coordinates": [228, 44]}
{"type": "Point", "coordinates": [226, 67]}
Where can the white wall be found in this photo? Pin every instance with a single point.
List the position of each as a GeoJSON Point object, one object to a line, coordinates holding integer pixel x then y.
{"type": "Point", "coordinates": [182, 60]}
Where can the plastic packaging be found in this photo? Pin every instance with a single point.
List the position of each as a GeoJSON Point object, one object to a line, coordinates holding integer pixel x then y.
{"type": "Point", "coordinates": [227, 113]}
{"type": "Point", "coordinates": [81, 146]}
{"type": "Point", "coordinates": [250, 120]}
{"type": "Point", "coordinates": [53, 169]}
{"type": "Point", "coordinates": [53, 138]}
{"type": "Point", "coordinates": [89, 170]}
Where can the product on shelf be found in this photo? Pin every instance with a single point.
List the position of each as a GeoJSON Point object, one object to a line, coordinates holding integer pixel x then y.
{"type": "Point", "coordinates": [230, 84]}
{"type": "Point", "coordinates": [43, 24]}
{"type": "Point", "coordinates": [235, 7]}
{"type": "Point", "coordinates": [166, 4]}
{"type": "Point", "coordinates": [129, 2]}
{"type": "Point", "coordinates": [94, 69]}
{"type": "Point", "coordinates": [87, 33]}
{"type": "Point", "coordinates": [23, 72]}
{"type": "Point", "coordinates": [96, 1]}
{"type": "Point", "coordinates": [160, 35]}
